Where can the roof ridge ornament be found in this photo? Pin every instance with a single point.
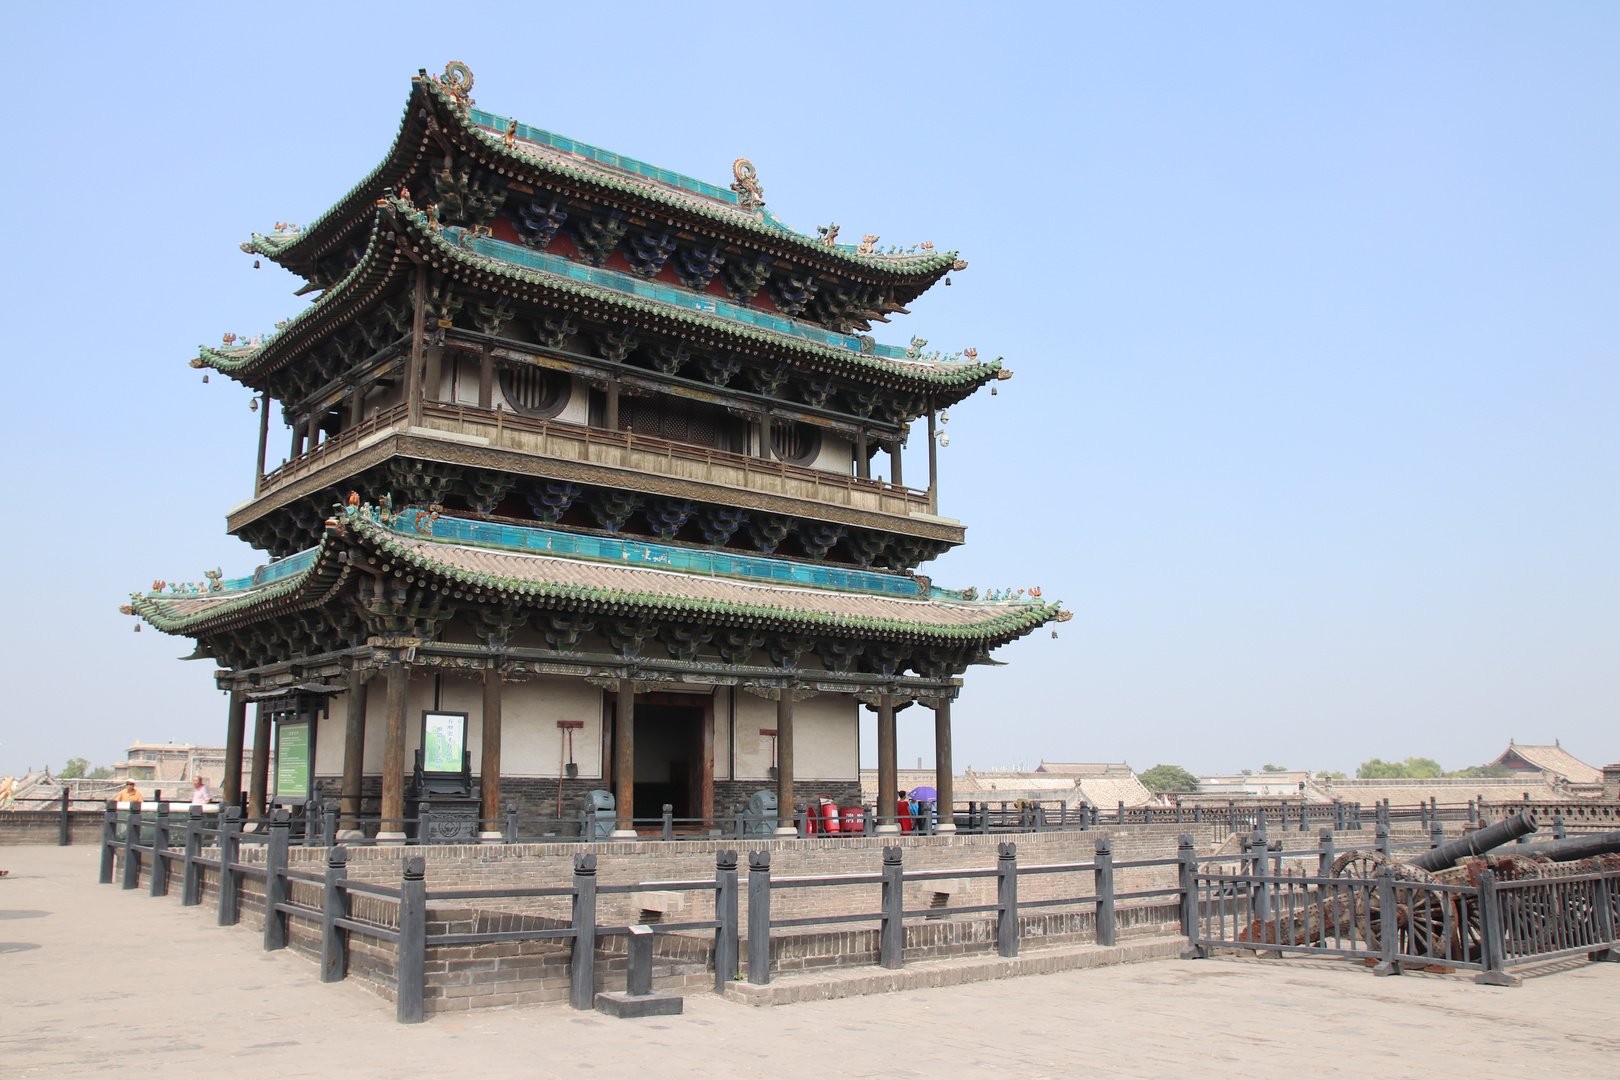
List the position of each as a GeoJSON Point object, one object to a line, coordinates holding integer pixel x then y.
{"type": "Point", "coordinates": [458, 80]}
{"type": "Point", "coordinates": [750, 196]}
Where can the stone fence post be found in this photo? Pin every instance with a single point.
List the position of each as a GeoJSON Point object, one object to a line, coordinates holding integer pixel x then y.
{"type": "Point", "coordinates": [230, 854]}
{"type": "Point", "coordinates": [582, 966]}
{"type": "Point", "coordinates": [1103, 875]}
{"type": "Point", "coordinates": [759, 917]}
{"type": "Point", "coordinates": [411, 959]}
{"type": "Point", "coordinates": [335, 906]}
{"type": "Point", "coordinates": [891, 938]}
{"type": "Point", "coordinates": [725, 913]}
{"type": "Point", "coordinates": [190, 871]}
{"type": "Point", "coordinates": [275, 881]}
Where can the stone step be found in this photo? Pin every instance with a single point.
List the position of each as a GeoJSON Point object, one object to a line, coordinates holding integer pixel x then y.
{"type": "Point", "coordinates": [825, 985]}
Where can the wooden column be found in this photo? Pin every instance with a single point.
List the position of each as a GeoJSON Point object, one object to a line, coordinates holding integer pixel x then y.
{"type": "Point", "coordinates": [942, 766]}
{"type": "Point", "coordinates": [230, 785]}
{"type": "Point", "coordinates": [611, 419]}
{"type": "Point", "coordinates": [933, 464]}
{"type": "Point", "coordinates": [486, 378]}
{"type": "Point", "coordinates": [357, 406]}
{"type": "Point", "coordinates": [784, 764]}
{"type": "Point", "coordinates": [863, 463]}
{"type": "Point", "coordinates": [315, 418]}
{"type": "Point", "coordinates": [354, 749]}
{"type": "Point", "coordinates": [888, 779]}
{"type": "Point", "coordinates": [413, 376]}
{"type": "Point", "coordinates": [895, 476]}
{"type": "Point", "coordinates": [489, 766]}
{"type": "Point", "coordinates": [264, 440]}
{"type": "Point", "coordinates": [706, 765]}
{"type": "Point", "coordinates": [624, 759]}
{"type": "Point", "coordinates": [432, 372]}
{"type": "Point", "coordinates": [259, 779]}
{"type": "Point", "coordinates": [297, 442]}
{"type": "Point", "coordinates": [765, 449]}
{"type": "Point", "coordinates": [393, 776]}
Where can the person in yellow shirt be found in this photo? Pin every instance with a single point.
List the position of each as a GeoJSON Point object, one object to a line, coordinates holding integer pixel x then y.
{"type": "Point", "coordinates": [130, 793]}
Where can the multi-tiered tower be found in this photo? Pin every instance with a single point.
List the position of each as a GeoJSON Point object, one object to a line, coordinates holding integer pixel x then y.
{"type": "Point", "coordinates": [582, 455]}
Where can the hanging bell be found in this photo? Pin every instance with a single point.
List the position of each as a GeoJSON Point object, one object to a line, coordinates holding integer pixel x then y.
{"type": "Point", "coordinates": [137, 628]}
{"type": "Point", "coordinates": [992, 391]}
{"type": "Point", "coordinates": [947, 281]}
{"type": "Point", "coordinates": [1054, 635]}
{"type": "Point", "coordinates": [253, 404]}
{"type": "Point", "coordinates": [255, 264]}
{"type": "Point", "coordinates": [205, 379]}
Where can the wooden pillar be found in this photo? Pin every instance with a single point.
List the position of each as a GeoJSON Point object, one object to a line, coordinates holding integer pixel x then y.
{"type": "Point", "coordinates": [624, 759]}
{"type": "Point", "coordinates": [895, 476]}
{"type": "Point", "coordinates": [354, 750]}
{"type": "Point", "coordinates": [489, 767]}
{"type": "Point", "coordinates": [933, 464]}
{"type": "Point", "coordinates": [432, 372]}
{"type": "Point", "coordinates": [942, 766]}
{"type": "Point", "coordinates": [230, 785]}
{"type": "Point", "coordinates": [264, 440]}
{"type": "Point", "coordinates": [765, 449]}
{"type": "Point", "coordinates": [486, 378]}
{"type": "Point", "coordinates": [297, 442]}
{"type": "Point", "coordinates": [784, 764]}
{"type": "Point", "coordinates": [863, 464]}
{"type": "Point", "coordinates": [357, 406]}
{"type": "Point", "coordinates": [888, 778]}
{"type": "Point", "coordinates": [315, 417]}
{"type": "Point", "coordinates": [393, 777]}
{"type": "Point", "coordinates": [259, 779]}
{"type": "Point", "coordinates": [611, 419]}
{"type": "Point", "coordinates": [706, 765]}
{"type": "Point", "coordinates": [413, 376]}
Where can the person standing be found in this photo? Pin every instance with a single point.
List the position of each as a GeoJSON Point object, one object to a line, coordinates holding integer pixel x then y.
{"type": "Point", "coordinates": [130, 792]}
{"type": "Point", "coordinates": [199, 791]}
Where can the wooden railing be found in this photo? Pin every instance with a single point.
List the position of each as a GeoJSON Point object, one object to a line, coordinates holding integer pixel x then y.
{"type": "Point", "coordinates": [578, 442]}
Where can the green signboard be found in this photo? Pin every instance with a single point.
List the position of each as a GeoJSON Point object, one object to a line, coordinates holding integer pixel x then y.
{"type": "Point", "coordinates": [294, 760]}
{"type": "Point", "coordinates": [444, 735]}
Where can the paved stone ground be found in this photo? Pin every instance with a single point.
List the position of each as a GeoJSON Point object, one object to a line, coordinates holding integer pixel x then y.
{"type": "Point", "coordinates": [93, 979]}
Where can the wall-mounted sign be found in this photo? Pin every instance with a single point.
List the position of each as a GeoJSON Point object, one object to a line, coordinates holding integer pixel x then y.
{"type": "Point", "coordinates": [444, 738]}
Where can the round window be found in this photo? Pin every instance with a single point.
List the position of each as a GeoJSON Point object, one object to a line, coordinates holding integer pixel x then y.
{"type": "Point", "coordinates": [795, 443]}
{"type": "Point", "coordinates": [536, 391]}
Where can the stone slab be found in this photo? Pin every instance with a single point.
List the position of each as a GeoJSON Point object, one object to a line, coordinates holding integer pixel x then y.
{"type": "Point", "coordinates": [858, 982]}
{"type": "Point", "coordinates": [627, 1006]}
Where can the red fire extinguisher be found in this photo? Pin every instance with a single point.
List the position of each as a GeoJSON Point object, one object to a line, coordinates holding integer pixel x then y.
{"type": "Point", "coordinates": [829, 816]}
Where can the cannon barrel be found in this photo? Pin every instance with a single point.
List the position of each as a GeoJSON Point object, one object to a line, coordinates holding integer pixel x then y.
{"type": "Point", "coordinates": [1476, 842]}
{"type": "Point", "coordinates": [1575, 847]}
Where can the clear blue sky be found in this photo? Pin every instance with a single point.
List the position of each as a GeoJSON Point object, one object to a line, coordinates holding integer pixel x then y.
{"type": "Point", "coordinates": [1312, 310]}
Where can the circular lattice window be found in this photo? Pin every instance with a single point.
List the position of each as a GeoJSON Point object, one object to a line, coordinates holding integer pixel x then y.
{"type": "Point", "coordinates": [536, 391]}
{"type": "Point", "coordinates": [795, 443]}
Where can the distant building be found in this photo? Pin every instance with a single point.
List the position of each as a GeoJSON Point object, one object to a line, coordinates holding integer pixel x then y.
{"type": "Point", "coordinates": [151, 765]}
{"type": "Point", "coordinates": [1275, 785]}
{"type": "Point", "coordinates": [1553, 760]}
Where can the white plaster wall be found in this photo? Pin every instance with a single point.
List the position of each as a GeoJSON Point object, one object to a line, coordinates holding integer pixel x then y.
{"type": "Point", "coordinates": [329, 737]}
{"type": "Point", "coordinates": [531, 742]}
{"type": "Point", "coordinates": [837, 454]}
{"type": "Point", "coordinates": [826, 744]}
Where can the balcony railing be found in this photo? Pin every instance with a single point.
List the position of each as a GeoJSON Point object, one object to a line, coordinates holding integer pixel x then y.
{"type": "Point", "coordinates": [624, 450]}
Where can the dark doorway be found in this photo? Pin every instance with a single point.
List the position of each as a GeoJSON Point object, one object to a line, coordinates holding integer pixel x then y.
{"type": "Point", "coordinates": [669, 756]}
